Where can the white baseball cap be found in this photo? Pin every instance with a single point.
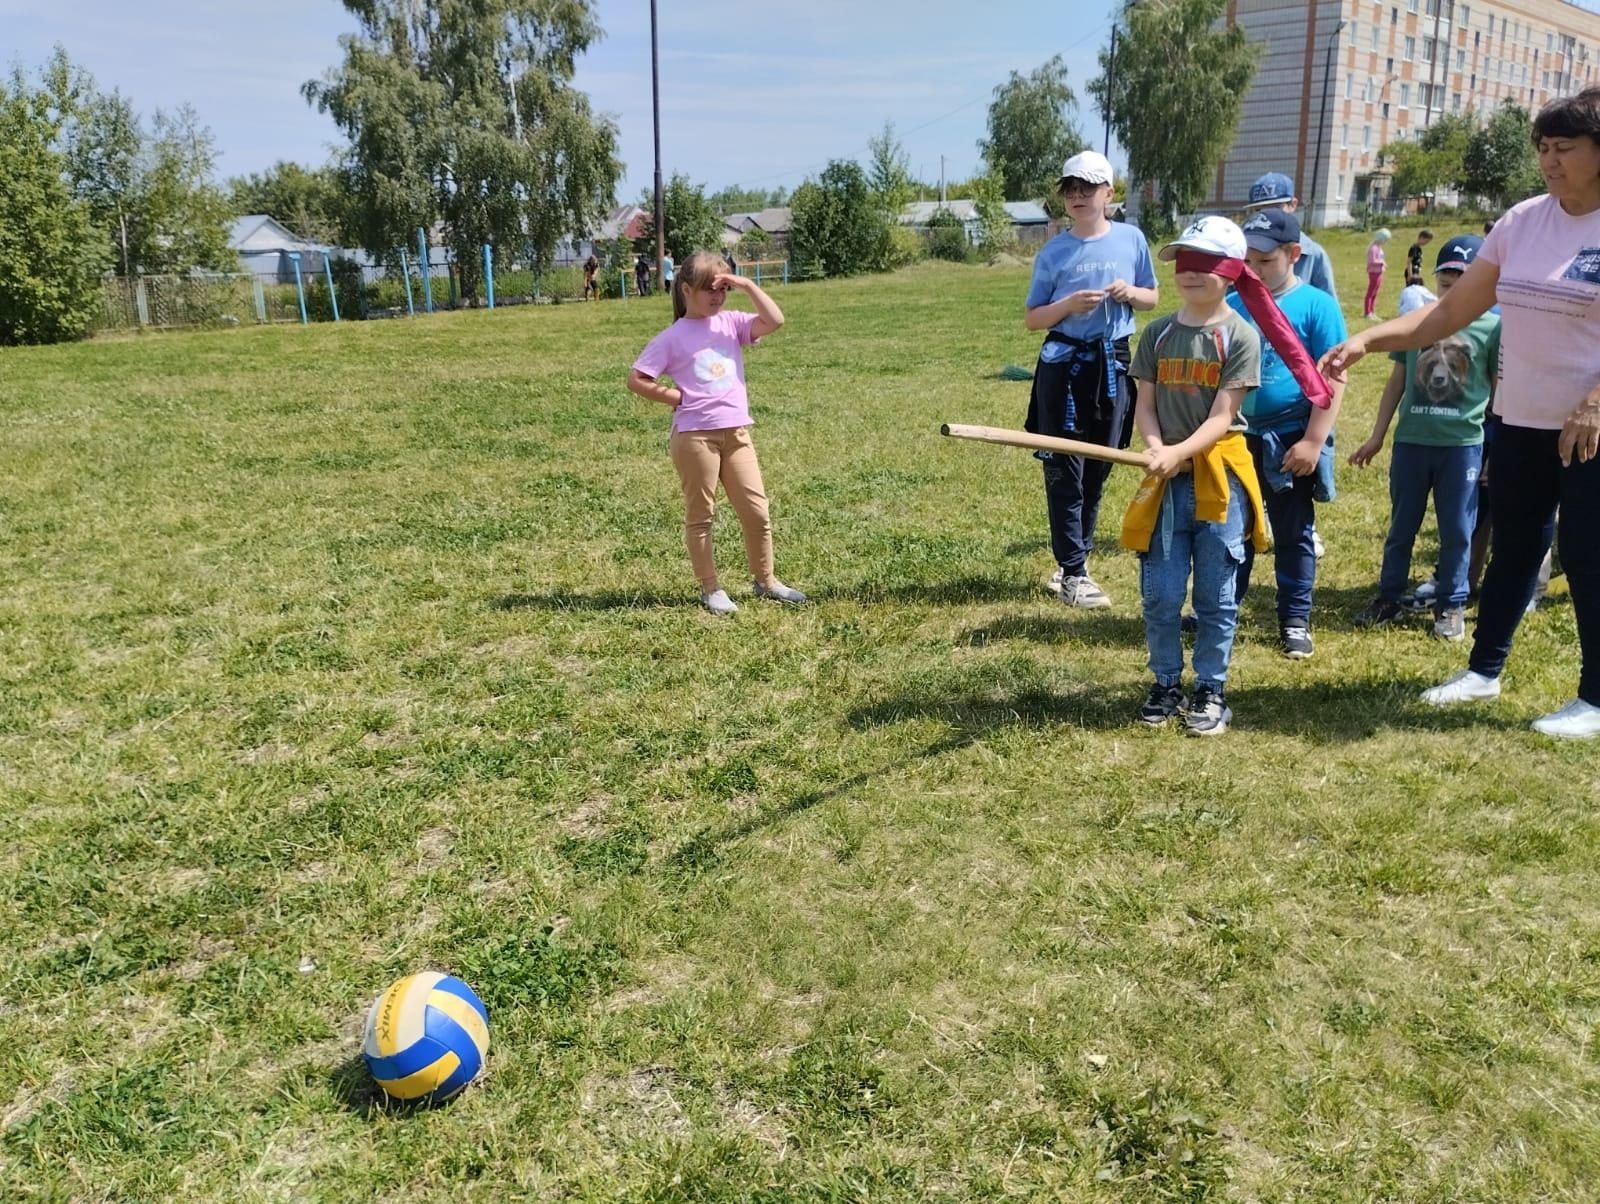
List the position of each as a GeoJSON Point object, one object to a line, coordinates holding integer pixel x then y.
{"type": "Point", "coordinates": [1090, 166]}
{"type": "Point", "coordinates": [1211, 235]}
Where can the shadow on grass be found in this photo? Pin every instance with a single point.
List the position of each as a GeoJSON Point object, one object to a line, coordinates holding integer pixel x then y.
{"type": "Point", "coordinates": [1065, 627]}
{"type": "Point", "coordinates": [1349, 711]}
{"type": "Point", "coordinates": [354, 1088]}
{"type": "Point", "coordinates": [604, 600]}
{"type": "Point", "coordinates": [975, 715]}
{"type": "Point", "coordinates": [704, 849]}
{"type": "Point", "coordinates": [954, 591]}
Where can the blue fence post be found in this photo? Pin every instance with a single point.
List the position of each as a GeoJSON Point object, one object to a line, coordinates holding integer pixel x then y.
{"type": "Point", "coordinates": [786, 271]}
{"type": "Point", "coordinates": [299, 287]}
{"type": "Point", "coordinates": [622, 280]}
{"type": "Point", "coordinates": [405, 274]}
{"type": "Point", "coordinates": [758, 275]}
{"type": "Point", "coordinates": [488, 272]}
{"type": "Point", "coordinates": [422, 264]}
{"type": "Point", "coordinates": [333, 297]}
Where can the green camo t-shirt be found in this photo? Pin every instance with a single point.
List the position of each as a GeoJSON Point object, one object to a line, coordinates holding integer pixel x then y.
{"type": "Point", "coordinates": [1447, 387]}
{"type": "Point", "coordinates": [1188, 364]}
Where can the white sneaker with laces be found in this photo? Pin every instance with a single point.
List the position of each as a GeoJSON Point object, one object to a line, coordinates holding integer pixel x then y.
{"type": "Point", "coordinates": [1056, 578]}
{"type": "Point", "coordinates": [1578, 720]}
{"type": "Point", "coordinates": [718, 602]}
{"type": "Point", "coordinates": [1465, 686]}
{"type": "Point", "coordinates": [1083, 593]}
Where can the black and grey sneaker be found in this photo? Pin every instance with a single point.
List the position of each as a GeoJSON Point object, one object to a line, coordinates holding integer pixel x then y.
{"type": "Point", "coordinates": [1208, 713]}
{"type": "Point", "coordinates": [1162, 704]}
{"type": "Point", "coordinates": [1296, 642]}
{"type": "Point", "coordinates": [1423, 597]}
{"type": "Point", "coordinates": [1189, 624]}
{"type": "Point", "coordinates": [1380, 612]}
{"type": "Point", "coordinates": [1450, 624]}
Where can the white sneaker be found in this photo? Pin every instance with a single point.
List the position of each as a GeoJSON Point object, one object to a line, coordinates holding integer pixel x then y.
{"type": "Point", "coordinates": [718, 602]}
{"type": "Point", "coordinates": [778, 592]}
{"type": "Point", "coordinates": [1083, 593]}
{"type": "Point", "coordinates": [1317, 545]}
{"type": "Point", "coordinates": [1465, 686]}
{"type": "Point", "coordinates": [1578, 720]}
{"type": "Point", "coordinates": [1056, 578]}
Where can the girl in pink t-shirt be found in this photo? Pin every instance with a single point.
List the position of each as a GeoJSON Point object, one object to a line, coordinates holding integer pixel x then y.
{"type": "Point", "coordinates": [703, 353]}
{"type": "Point", "coordinates": [1375, 266]}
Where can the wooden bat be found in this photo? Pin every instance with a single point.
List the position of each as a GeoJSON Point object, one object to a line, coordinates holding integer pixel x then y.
{"type": "Point", "coordinates": [1071, 447]}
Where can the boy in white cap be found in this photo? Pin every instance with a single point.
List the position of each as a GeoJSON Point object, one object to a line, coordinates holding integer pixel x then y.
{"type": "Point", "coordinates": [1087, 283]}
{"type": "Point", "coordinates": [1276, 191]}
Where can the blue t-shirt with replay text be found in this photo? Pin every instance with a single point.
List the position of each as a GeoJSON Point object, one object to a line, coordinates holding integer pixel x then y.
{"type": "Point", "coordinates": [1067, 263]}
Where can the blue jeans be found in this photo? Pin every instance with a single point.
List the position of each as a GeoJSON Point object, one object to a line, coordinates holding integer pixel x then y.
{"type": "Point", "coordinates": [1451, 475]}
{"type": "Point", "coordinates": [1073, 485]}
{"type": "Point", "coordinates": [1215, 550]}
{"type": "Point", "coordinates": [1527, 487]}
{"type": "Point", "coordinates": [1293, 516]}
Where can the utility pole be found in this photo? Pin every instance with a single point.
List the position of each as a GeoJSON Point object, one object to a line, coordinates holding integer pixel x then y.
{"type": "Point", "coordinates": [941, 180]}
{"type": "Point", "coordinates": [1111, 75]}
{"type": "Point", "coordinates": [655, 104]}
{"type": "Point", "coordinates": [1322, 121]}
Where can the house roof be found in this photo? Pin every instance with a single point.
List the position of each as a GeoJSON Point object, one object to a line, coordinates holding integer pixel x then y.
{"type": "Point", "coordinates": [920, 213]}
{"type": "Point", "coordinates": [625, 221]}
{"type": "Point", "coordinates": [258, 233]}
{"type": "Point", "coordinates": [1027, 213]}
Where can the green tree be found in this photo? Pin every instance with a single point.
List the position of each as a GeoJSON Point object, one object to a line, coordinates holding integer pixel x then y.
{"type": "Point", "coordinates": [103, 144]}
{"type": "Point", "coordinates": [837, 228]}
{"type": "Point", "coordinates": [1175, 97]}
{"type": "Point", "coordinates": [1435, 160]}
{"type": "Point", "coordinates": [691, 223]}
{"type": "Point", "coordinates": [51, 253]}
{"type": "Point", "coordinates": [308, 200]}
{"type": "Point", "coordinates": [995, 233]}
{"type": "Point", "coordinates": [177, 216]}
{"type": "Point", "coordinates": [735, 199]}
{"type": "Point", "coordinates": [464, 110]}
{"type": "Point", "coordinates": [1031, 131]}
{"type": "Point", "coordinates": [889, 172]}
{"type": "Point", "coordinates": [1500, 163]}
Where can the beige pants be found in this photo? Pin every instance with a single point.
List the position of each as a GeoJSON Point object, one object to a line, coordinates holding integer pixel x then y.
{"type": "Point", "coordinates": [703, 458]}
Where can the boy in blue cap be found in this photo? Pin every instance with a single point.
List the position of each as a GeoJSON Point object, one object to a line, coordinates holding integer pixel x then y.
{"type": "Point", "coordinates": [1442, 394]}
{"type": "Point", "coordinates": [1290, 439]}
{"type": "Point", "coordinates": [1276, 191]}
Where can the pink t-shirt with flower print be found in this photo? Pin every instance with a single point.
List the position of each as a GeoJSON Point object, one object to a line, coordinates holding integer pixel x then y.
{"type": "Point", "coordinates": [705, 358]}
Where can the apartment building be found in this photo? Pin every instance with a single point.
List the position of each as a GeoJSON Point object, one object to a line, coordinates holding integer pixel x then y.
{"type": "Point", "coordinates": [1339, 79]}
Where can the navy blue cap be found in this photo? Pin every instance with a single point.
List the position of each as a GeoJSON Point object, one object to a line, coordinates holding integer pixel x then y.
{"type": "Point", "coordinates": [1458, 253]}
{"type": "Point", "coordinates": [1271, 229]}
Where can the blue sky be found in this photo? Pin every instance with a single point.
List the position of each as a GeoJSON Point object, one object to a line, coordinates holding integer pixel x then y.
{"type": "Point", "coordinates": [759, 94]}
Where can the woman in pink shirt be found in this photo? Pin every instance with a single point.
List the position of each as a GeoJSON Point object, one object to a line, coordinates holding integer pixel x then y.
{"type": "Point", "coordinates": [703, 353]}
{"type": "Point", "coordinates": [1541, 262]}
{"type": "Point", "coordinates": [1375, 266]}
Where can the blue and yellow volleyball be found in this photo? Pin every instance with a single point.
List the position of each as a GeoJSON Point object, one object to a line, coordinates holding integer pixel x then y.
{"type": "Point", "coordinates": [427, 1038]}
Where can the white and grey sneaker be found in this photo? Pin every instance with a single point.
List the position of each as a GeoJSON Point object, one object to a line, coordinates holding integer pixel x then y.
{"type": "Point", "coordinates": [1423, 597]}
{"type": "Point", "coordinates": [718, 602]}
{"type": "Point", "coordinates": [1056, 578]}
{"type": "Point", "coordinates": [778, 592]}
{"type": "Point", "coordinates": [1083, 593]}
{"type": "Point", "coordinates": [1578, 720]}
{"type": "Point", "coordinates": [1318, 548]}
{"type": "Point", "coordinates": [1465, 686]}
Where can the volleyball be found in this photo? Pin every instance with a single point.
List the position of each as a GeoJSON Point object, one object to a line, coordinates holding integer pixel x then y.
{"type": "Point", "coordinates": [427, 1037]}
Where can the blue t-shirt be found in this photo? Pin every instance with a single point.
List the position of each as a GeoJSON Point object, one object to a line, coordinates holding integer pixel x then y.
{"type": "Point", "coordinates": [1316, 318]}
{"type": "Point", "coordinates": [1068, 263]}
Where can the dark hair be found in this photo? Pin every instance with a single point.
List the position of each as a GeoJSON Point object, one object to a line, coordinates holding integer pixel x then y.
{"type": "Point", "coordinates": [1570, 117]}
{"type": "Point", "coordinates": [1424, 233]}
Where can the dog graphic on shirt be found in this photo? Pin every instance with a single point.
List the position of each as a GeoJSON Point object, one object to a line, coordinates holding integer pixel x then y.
{"type": "Point", "coordinates": [1443, 371]}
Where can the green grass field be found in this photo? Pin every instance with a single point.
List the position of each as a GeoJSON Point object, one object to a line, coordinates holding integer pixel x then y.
{"type": "Point", "coordinates": [331, 654]}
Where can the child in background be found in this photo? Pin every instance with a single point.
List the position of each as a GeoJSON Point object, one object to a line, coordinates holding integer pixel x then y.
{"type": "Point", "coordinates": [1414, 257]}
{"type": "Point", "coordinates": [1375, 267]}
{"type": "Point", "coordinates": [702, 351]}
{"type": "Point", "coordinates": [1087, 283]}
{"type": "Point", "coordinates": [1194, 368]}
{"type": "Point", "coordinates": [1413, 297]}
{"type": "Point", "coordinates": [1442, 394]}
{"type": "Point", "coordinates": [1290, 439]}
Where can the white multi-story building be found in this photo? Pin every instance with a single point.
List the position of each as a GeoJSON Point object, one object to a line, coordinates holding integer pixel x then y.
{"type": "Point", "coordinates": [1339, 79]}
